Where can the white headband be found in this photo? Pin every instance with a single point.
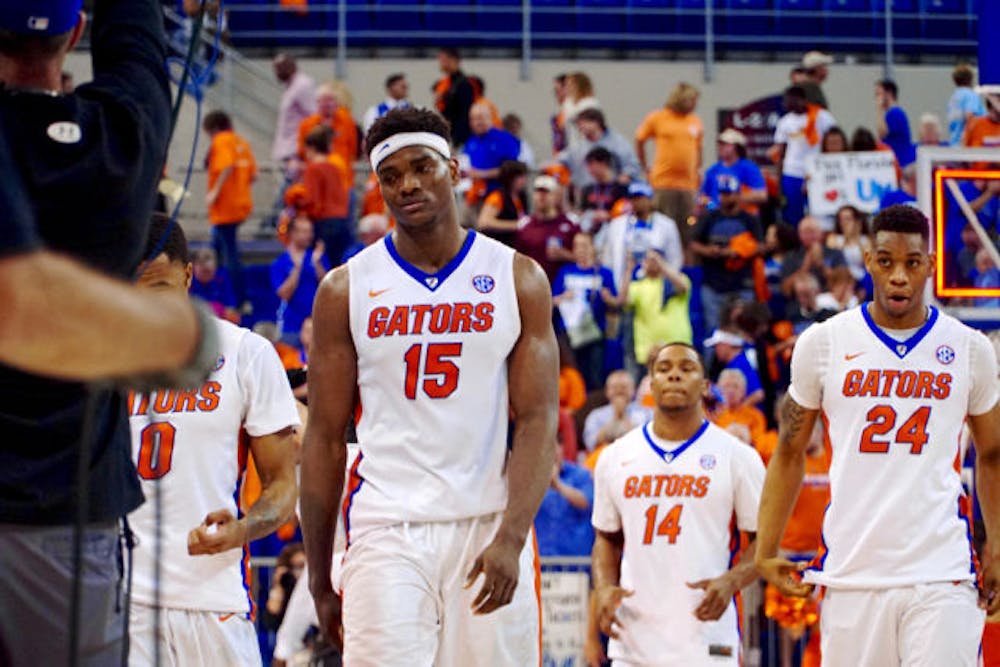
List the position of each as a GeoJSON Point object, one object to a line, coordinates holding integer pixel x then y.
{"type": "Point", "coordinates": [399, 141]}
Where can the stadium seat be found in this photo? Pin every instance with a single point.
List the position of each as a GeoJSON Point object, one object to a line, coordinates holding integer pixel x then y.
{"type": "Point", "coordinates": [507, 21]}
{"type": "Point", "coordinates": [905, 20]}
{"type": "Point", "coordinates": [842, 21]}
{"type": "Point", "coordinates": [806, 27]}
{"type": "Point", "coordinates": [559, 20]}
{"type": "Point", "coordinates": [260, 294]}
{"type": "Point", "coordinates": [359, 18]}
{"type": "Point", "coordinates": [242, 21]}
{"type": "Point", "coordinates": [941, 20]}
{"type": "Point", "coordinates": [752, 25]}
{"type": "Point", "coordinates": [600, 16]}
{"type": "Point", "coordinates": [645, 29]}
{"type": "Point", "coordinates": [691, 19]}
{"type": "Point", "coordinates": [391, 16]}
{"type": "Point", "coordinates": [458, 17]}
{"type": "Point", "coordinates": [297, 28]}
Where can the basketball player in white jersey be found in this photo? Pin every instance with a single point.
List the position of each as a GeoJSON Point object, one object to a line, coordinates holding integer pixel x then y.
{"type": "Point", "coordinates": [894, 380]}
{"type": "Point", "coordinates": [668, 498]}
{"type": "Point", "coordinates": [443, 335]}
{"type": "Point", "coordinates": [190, 577]}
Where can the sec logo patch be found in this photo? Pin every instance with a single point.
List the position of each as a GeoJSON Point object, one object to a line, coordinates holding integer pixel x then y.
{"type": "Point", "coordinates": [945, 354]}
{"type": "Point", "coordinates": [484, 284]}
{"type": "Point", "coordinates": [707, 461]}
{"type": "Point", "coordinates": [219, 363]}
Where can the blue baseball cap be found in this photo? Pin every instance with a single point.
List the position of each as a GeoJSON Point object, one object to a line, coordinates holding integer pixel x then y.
{"type": "Point", "coordinates": [640, 189]}
{"type": "Point", "coordinates": [39, 17]}
{"type": "Point", "coordinates": [727, 183]}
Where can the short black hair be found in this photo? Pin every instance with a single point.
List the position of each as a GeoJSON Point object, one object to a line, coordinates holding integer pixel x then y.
{"type": "Point", "coordinates": [410, 119]}
{"type": "Point", "coordinates": [450, 51]}
{"type": "Point", "coordinates": [394, 78]}
{"type": "Point", "coordinates": [166, 236]}
{"type": "Point", "coordinates": [319, 138]}
{"type": "Point", "coordinates": [217, 121]}
{"type": "Point", "coordinates": [902, 219]}
{"type": "Point", "coordinates": [795, 91]}
{"type": "Point", "coordinates": [599, 154]}
{"type": "Point", "coordinates": [889, 86]}
{"type": "Point", "coordinates": [659, 348]}
{"type": "Point", "coordinates": [32, 47]}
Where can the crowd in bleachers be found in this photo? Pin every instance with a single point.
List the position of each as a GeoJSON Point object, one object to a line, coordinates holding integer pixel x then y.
{"type": "Point", "coordinates": [646, 235]}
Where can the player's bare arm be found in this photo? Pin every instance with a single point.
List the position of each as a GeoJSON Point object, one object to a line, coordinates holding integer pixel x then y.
{"type": "Point", "coordinates": [274, 456]}
{"type": "Point", "coordinates": [152, 332]}
{"type": "Point", "coordinates": [986, 434]}
{"type": "Point", "coordinates": [605, 568]}
{"type": "Point", "coordinates": [719, 591]}
{"type": "Point", "coordinates": [333, 376]}
{"type": "Point", "coordinates": [781, 488]}
{"type": "Point", "coordinates": [534, 396]}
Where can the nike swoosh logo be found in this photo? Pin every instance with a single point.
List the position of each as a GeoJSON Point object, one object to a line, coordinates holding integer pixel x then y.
{"type": "Point", "coordinates": [627, 463]}
{"type": "Point", "coordinates": [848, 357]}
{"type": "Point", "coordinates": [374, 293]}
{"type": "Point", "coordinates": [225, 617]}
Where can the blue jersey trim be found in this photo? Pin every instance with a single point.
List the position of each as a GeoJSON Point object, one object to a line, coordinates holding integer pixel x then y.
{"type": "Point", "coordinates": [900, 348]}
{"type": "Point", "coordinates": [670, 456]}
{"type": "Point", "coordinates": [431, 280]}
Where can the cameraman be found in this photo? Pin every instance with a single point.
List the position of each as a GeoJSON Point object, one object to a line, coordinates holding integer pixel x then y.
{"type": "Point", "coordinates": [88, 163]}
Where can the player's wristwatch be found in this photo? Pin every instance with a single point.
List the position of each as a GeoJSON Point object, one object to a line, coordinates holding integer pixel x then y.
{"type": "Point", "coordinates": [193, 374]}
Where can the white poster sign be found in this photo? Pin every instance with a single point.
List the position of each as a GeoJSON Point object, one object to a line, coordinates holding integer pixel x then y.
{"type": "Point", "coordinates": [564, 618]}
{"type": "Point", "coordinates": [850, 179]}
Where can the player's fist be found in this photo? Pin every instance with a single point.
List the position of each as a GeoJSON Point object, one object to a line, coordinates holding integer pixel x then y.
{"type": "Point", "coordinates": [500, 568]}
{"type": "Point", "coordinates": [607, 601]}
{"type": "Point", "coordinates": [328, 611]}
{"type": "Point", "coordinates": [220, 531]}
{"type": "Point", "coordinates": [784, 574]}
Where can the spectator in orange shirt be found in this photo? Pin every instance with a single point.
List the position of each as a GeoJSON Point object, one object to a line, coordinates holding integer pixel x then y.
{"type": "Point", "coordinates": [677, 132]}
{"type": "Point", "coordinates": [333, 113]}
{"type": "Point", "coordinates": [231, 172]}
{"type": "Point", "coordinates": [327, 194]}
{"type": "Point", "coordinates": [732, 384]}
{"type": "Point", "coordinates": [985, 130]}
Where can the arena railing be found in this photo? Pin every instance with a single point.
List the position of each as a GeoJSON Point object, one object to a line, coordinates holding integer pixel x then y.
{"type": "Point", "coordinates": [632, 27]}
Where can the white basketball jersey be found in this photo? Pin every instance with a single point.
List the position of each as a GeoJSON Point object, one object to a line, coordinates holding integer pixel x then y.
{"type": "Point", "coordinates": [679, 506]}
{"type": "Point", "coordinates": [189, 447]}
{"type": "Point", "coordinates": [432, 377]}
{"type": "Point", "coordinates": [894, 411]}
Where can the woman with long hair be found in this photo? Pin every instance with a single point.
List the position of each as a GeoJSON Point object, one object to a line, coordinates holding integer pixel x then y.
{"type": "Point", "coordinates": [503, 208]}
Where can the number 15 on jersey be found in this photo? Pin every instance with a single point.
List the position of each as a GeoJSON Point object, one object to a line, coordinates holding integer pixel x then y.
{"type": "Point", "coordinates": [433, 363]}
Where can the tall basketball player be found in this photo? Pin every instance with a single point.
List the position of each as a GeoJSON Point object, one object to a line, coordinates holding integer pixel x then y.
{"type": "Point", "coordinates": [443, 335]}
{"type": "Point", "coordinates": [894, 379]}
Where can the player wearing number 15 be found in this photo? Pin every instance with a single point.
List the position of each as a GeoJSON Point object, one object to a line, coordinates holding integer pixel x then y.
{"type": "Point", "coordinates": [670, 498]}
{"type": "Point", "coordinates": [442, 333]}
{"type": "Point", "coordinates": [190, 449]}
{"type": "Point", "coordinates": [894, 380]}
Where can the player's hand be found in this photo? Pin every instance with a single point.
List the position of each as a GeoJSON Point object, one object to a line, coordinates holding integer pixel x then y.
{"type": "Point", "coordinates": [328, 611]}
{"type": "Point", "coordinates": [608, 599]}
{"type": "Point", "coordinates": [220, 531]}
{"type": "Point", "coordinates": [989, 590]}
{"type": "Point", "coordinates": [783, 573]}
{"type": "Point", "coordinates": [500, 568]}
{"type": "Point", "coordinates": [719, 593]}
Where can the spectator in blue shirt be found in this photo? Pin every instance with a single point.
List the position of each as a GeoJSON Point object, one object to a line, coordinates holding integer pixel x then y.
{"type": "Point", "coordinates": [733, 161]}
{"type": "Point", "coordinates": [563, 520]}
{"type": "Point", "coordinates": [582, 291]}
{"type": "Point", "coordinates": [212, 284]}
{"type": "Point", "coordinates": [295, 275]}
{"type": "Point", "coordinates": [730, 351]}
{"type": "Point", "coordinates": [905, 194]}
{"type": "Point", "coordinates": [487, 148]}
{"type": "Point", "coordinates": [894, 126]}
{"type": "Point", "coordinates": [964, 104]}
